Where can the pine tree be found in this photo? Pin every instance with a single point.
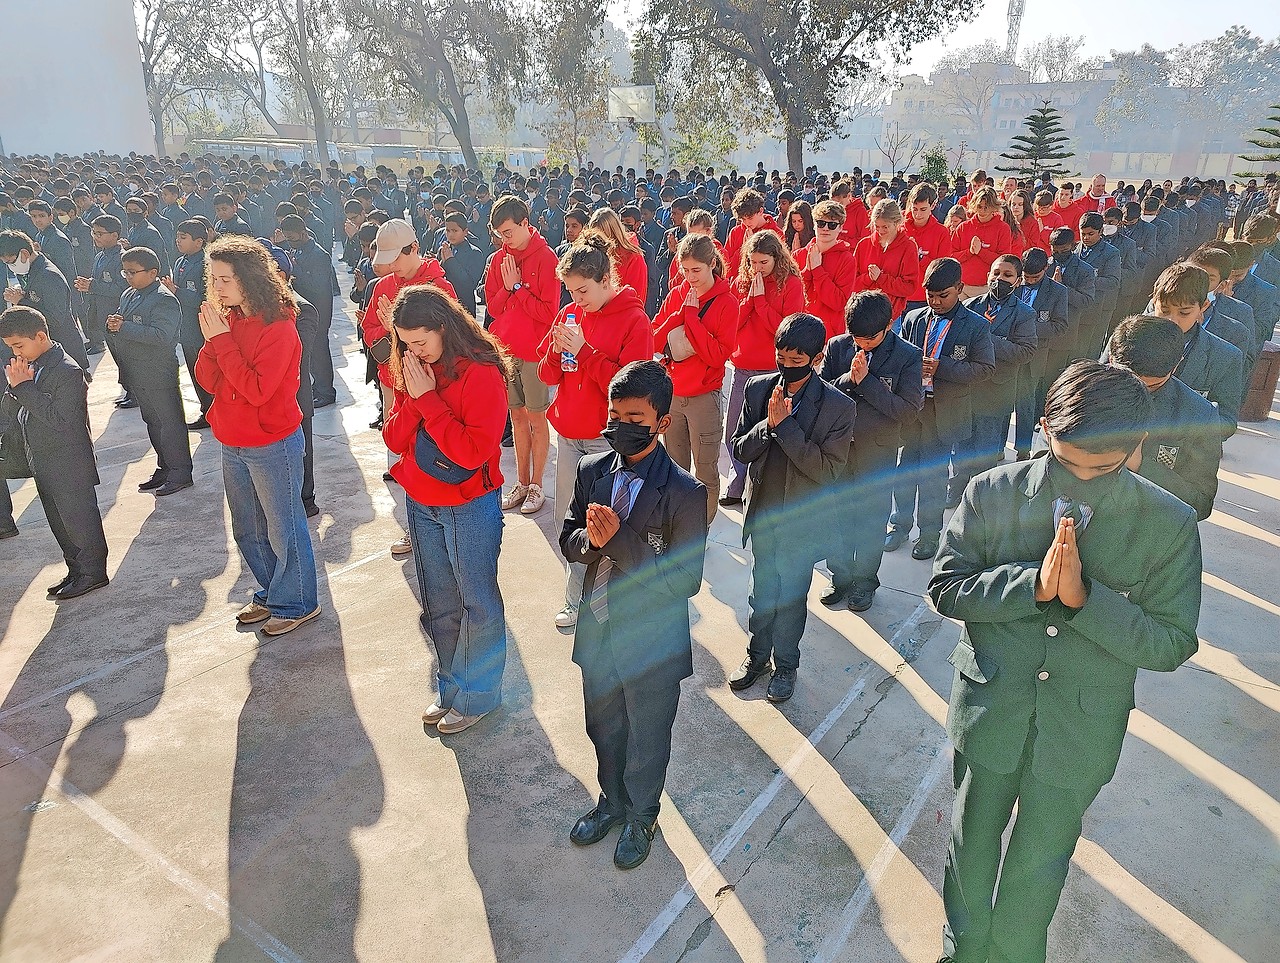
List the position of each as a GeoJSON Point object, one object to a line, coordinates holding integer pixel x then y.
{"type": "Point", "coordinates": [1268, 138]}
{"type": "Point", "coordinates": [1040, 151]}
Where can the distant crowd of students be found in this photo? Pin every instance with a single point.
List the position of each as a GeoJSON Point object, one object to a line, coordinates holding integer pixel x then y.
{"type": "Point", "coordinates": [856, 349]}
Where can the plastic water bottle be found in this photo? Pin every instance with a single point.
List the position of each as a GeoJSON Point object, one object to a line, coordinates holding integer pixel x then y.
{"type": "Point", "coordinates": [568, 362]}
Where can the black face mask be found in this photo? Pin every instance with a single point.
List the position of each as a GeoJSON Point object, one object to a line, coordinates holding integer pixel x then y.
{"type": "Point", "coordinates": [792, 375]}
{"type": "Point", "coordinates": [1001, 289]}
{"type": "Point", "coordinates": [136, 218]}
{"type": "Point", "coordinates": [626, 438]}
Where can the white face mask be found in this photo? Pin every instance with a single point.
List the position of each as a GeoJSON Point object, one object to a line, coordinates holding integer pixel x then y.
{"type": "Point", "coordinates": [20, 267]}
{"type": "Point", "coordinates": [1212, 296]}
{"type": "Point", "coordinates": [1188, 202]}
{"type": "Point", "coordinates": [64, 218]}
{"type": "Point", "coordinates": [1148, 218]}
{"type": "Point", "coordinates": [1109, 229]}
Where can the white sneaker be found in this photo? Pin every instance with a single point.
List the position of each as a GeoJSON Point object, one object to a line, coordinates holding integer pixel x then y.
{"type": "Point", "coordinates": [455, 721]}
{"type": "Point", "coordinates": [514, 497]}
{"type": "Point", "coordinates": [566, 618]}
{"type": "Point", "coordinates": [533, 501]}
{"type": "Point", "coordinates": [402, 547]}
{"type": "Point", "coordinates": [434, 713]}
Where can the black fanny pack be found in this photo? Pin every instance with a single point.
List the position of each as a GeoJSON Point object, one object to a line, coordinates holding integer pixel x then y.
{"type": "Point", "coordinates": [432, 461]}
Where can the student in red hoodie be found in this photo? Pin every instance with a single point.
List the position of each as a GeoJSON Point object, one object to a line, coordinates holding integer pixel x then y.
{"type": "Point", "coordinates": [628, 256]}
{"type": "Point", "coordinates": [933, 240]}
{"type": "Point", "coordinates": [1020, 209]}
{"type": "Point", "coordinates": [1047, 217]}
{"type": "Point", "coordinates": [251, 364]}
{"type": "Point", "coordinates": [447, 424]}
{"type": "Point", "coordinates": [888, 260]}
{"type": "Point", "coordinates": [610, 331]}
{"type": "Point", "coordinates": [696, 221]}
{"type": "Point", "coordinates": [857, 220]}
{"type": "Point", "coordinates": [982, 238]}
{"type": "Point", "coordinates": [1066, 206]}
{"type": "Point", "coordinates": [521, 296]}
{"type": "Point", "coordinates": [827, 268]}
{"type": "Point", "coordinates": [768, 289]}
{"type": "Point", "coordinates": [748, 208]}
{"type": "Point", "coordinates": [696, 330]}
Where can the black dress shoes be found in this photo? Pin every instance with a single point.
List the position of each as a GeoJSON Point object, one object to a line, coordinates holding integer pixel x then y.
{"type": "Point", "coordinates": [925, 548]}
{"type": "Point", "coordinates": [157, 480]}
{"type": "Point", "coordinates": [593, 827]}
{"type": "Point", "coordinates": [730, 501]}
{"type": "Point", "coordinates": [80, 585]}
{"type": "Point", "coordinates": [633, 845]}
{"type": "Point", "coordinates": [860, 599]}
{"type": "Point", "coordinates": [126, 400]}
{"type": "Point", "coordinates": [312, 509]}
{"type": "Point", "coordinates": [782, 686]}
{"type": "Point", "coordinates": [748, 673]}
{"type": "Point", "coordinates": [169, 487]}
{"type": "Point", "coordinates": [52, 590]}
{"type": "Point", "coordinates": [896, 538]}
{"type": "Point", "coordinates": [91, 349]}
{"type": "Point", "coordinates": [833, 596]}
{"type": "Point", "coordinates": [200, 424]}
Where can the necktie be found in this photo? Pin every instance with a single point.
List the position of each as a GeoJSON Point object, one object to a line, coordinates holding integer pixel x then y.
{"type": "Point", "coordinates": [599, 599]}
{"type": "Point", "coordinates": [1079, 511]}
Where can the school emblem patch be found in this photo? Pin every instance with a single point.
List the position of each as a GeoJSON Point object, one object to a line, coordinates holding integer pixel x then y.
{"type": "Point", "coordinates": [960, 352]}
{"type": "Point", "coordinates": [1167, 455]}
{"type": "Point", "coordinates": [887, 382]}
{"type": "Point", "coordinates": [656, 543]}
{"type": "Point", "coordinates": [34, 298]}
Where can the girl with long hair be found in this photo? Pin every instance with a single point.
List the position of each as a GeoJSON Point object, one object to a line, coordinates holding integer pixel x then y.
{"type": "Point", "coordinates": [626, 253]}
{"type": "Point", "coordinates": [450, 379]}
{"type": "Point", "coordinates": [887, 259]}
{"type": "Point", "coordinates": [799, 229]}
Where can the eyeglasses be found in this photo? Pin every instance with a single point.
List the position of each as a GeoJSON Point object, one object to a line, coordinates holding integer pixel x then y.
{"type": "Point", "coordinates": [829, 225]}
{"type": "Point", "coordinates": [127, 273]}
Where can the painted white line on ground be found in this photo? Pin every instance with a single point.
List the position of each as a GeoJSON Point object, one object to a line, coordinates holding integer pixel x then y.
{"type": "Point", "coordinates": [221, 621]}
{"type": "Point", "coordinates": [671, 912]}
{"type": "Point", "coordinates": [264, 941]}
{"type": "Point", "coordinates": [835, 943]}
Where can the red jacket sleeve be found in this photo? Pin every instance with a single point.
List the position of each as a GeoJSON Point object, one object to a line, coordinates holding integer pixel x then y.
{"type": "Point", "coordinates": [549, 370]}
{"type": "Point", "coordinates": [371, 328]}
{"type": "Point", "coordinates": [637, 345]}
{"type": "Point", "coordinates": [539, 298]}
{"type": "Point", "coordinates": [713, 336]}
{"type": "Point", "coordinates": [668, 316]}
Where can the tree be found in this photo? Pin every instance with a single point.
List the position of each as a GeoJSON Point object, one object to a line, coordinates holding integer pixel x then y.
{"type": "Point", "coordinates": [807, 53]}
{"type": "Point", "coordinates": [164, 34]}
{"type": "Point", "coordinates": [1223, 79]}
{"type": "Point", "coordinates": [965, 83]}
{"type": "Point", "coordinates": [1267, 138]}
{"type": "Point", "coordinates": [899, 147]}
{"type": "Point", "coordinates": [299, 21]}
{"type": "Point", "coordinates": [933, 165]}
{"type": "Point", "coordinates": [1139, 74]}
{"type": "Point", "coordinates": [443, 51]}
{"type": "Point", "coordinates": [576, 75]}
{"type": "Point", "coordinates": [1056, 60]}
{"type": "Point", "coordinates": [1042, 149]}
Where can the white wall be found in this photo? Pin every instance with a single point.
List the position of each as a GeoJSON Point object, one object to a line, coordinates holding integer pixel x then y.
{"type": "Point", "coordinates": [83, 94]}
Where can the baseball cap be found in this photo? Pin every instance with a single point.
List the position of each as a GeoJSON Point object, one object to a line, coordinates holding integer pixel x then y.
{"type": "Point", "coordinates": [393, 237]}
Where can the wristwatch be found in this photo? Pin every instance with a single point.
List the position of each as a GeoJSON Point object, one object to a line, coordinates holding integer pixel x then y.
{"type": "Point", "coordinates": [517, 286]}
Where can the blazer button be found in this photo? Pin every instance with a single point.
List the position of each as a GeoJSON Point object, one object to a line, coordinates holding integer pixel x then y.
{"type": "Point", "coordinates": [1042, 676]}
{"type": "Point", "coordinates": [1051, 631]}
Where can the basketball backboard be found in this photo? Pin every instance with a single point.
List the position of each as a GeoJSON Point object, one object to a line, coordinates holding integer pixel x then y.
{"type": "Point", "coordinates": [632, 104]}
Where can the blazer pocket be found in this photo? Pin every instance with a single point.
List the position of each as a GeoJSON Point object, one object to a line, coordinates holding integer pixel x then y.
{"type": "Point", "coordinates": [973, 666]}
{"type": "Point", "coordinates": [1106, 700]}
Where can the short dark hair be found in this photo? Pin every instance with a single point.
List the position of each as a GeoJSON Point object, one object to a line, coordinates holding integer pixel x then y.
{"type": "Point", "coordinates": [1092, 221]}
{"type": "Point", "coordinates": [20, 321]}
{"type": "Point", "coordinates": [225, 200]}
{"type": "Point", "coordinates": [868, 313]}
{"type": "Point", "coordinates": [13, 243]}
{"type": "Point", "coordinates": [293, 223]}
{"type": "Point", "coordinates": [1098, 408]}
{"type": "Point", "coordinates": [194, 229]}
{"type": "Point", "coordinates": [107, 222]}
{"type": "Point", "coordinates": [1035, 261]}
{"type": "Point", "coordinates": [144, 257]}
{"type": "Point", "coordinates": [1148, 346]}
{"type": "Point", "coordinates": [644, 379]}
{"type": "Point", "coordinates": [1062, 236]}
{"type": "Point", "coordinates": [801, 332]}
{"type": "Point", "coordinates": [1181, 284]}
{"type": "Point", "coordinates": [942, 274]}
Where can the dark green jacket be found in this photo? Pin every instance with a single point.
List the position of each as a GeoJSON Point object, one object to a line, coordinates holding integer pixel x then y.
{"type": "Point", "coordinates": [1073, 672]}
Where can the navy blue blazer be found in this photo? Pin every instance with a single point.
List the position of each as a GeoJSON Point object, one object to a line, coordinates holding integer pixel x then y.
{"type": "Point", "coordinates": [888, 396]}
{"type": "Point", "coordinates": [968, 357]}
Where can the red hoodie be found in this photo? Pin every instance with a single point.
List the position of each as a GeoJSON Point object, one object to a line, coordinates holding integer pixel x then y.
{"type": "Point", "coordinates": [466, 417]}
{"type": "Point", "coordinates": [857, 222]}
{"type": "Point", "coordinates": [933, 241]}
{"type": "Point", "coordinates": [674, 277]}
{"type": "Point", "coordinates": [253, 372]}
{"type": "Point", "coordinates": [632, 271]}
{"type": "Point", "coordinates": [899, 268]}
{"type": "Point", "coordinates": [711, 335]}
{"type": "Point", "coordinates": [758, 320]}
{"type": "Point", "coordinates": [739, 237]}
{"type": "Point", "coordinates": [995, 238]}
{"type": "Point", "coordinates": [616, 335]}
{"type": "Point", "coordinates": [828, 286]}
{"type": "Point", "coordinates": [1032, 236]}
{"type": "Point", "coordinates": [521, 319]}
{"type": "Point", "coordinates": [389, 287]}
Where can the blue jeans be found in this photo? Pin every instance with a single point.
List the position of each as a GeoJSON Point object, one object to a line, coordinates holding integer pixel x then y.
{"type": "Point", "coordinates": [264, 490]}
{"type": "Point", "coordinates": [455, 550]}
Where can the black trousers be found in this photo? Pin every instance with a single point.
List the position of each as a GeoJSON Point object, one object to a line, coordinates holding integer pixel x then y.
{"type": "Point", "coordinates": [308, 461]}
{"type": "Point", "coordinates": [781, 572]}
{"type": "Point", "coordinates": [321, 360]}
{"type": "Point", "coordinates": [192, 341]}
{"type": "Point", "coordinates": [161, 408]}
{"type": "Point", "coordinates": [1014, 929]}
{"type": "Point", "coordinates": [629, 723]}
{"type": "Point", "coordinates": [72, 510]}
{"type": "Point", "coordinates": [858, 546]}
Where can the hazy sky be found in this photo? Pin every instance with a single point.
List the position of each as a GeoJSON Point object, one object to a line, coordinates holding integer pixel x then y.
{"type": "Point", "coordinates": [1122, 25]}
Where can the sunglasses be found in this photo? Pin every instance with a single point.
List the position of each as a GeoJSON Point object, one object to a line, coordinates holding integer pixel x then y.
{"type": "Point", "coordinates": [829, 225]}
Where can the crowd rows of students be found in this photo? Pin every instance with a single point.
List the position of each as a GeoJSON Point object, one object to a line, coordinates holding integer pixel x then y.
{"type": "Point", "coordinates": [860, 361]}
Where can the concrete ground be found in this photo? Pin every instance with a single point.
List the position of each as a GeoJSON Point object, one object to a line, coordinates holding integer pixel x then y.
{"type": "Point", "coordinates": [175, 789]}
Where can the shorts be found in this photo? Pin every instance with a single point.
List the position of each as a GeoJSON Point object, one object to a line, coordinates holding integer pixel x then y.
{"type": "Point", "coordinates": [525, 389]}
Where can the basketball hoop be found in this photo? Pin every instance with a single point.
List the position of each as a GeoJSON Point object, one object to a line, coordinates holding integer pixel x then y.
{"type": "Point", "coordinates": [632, 106]}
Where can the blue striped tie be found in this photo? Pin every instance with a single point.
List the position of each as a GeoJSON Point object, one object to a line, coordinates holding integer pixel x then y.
{"type": "Point", "coordinates": [599, 599]}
